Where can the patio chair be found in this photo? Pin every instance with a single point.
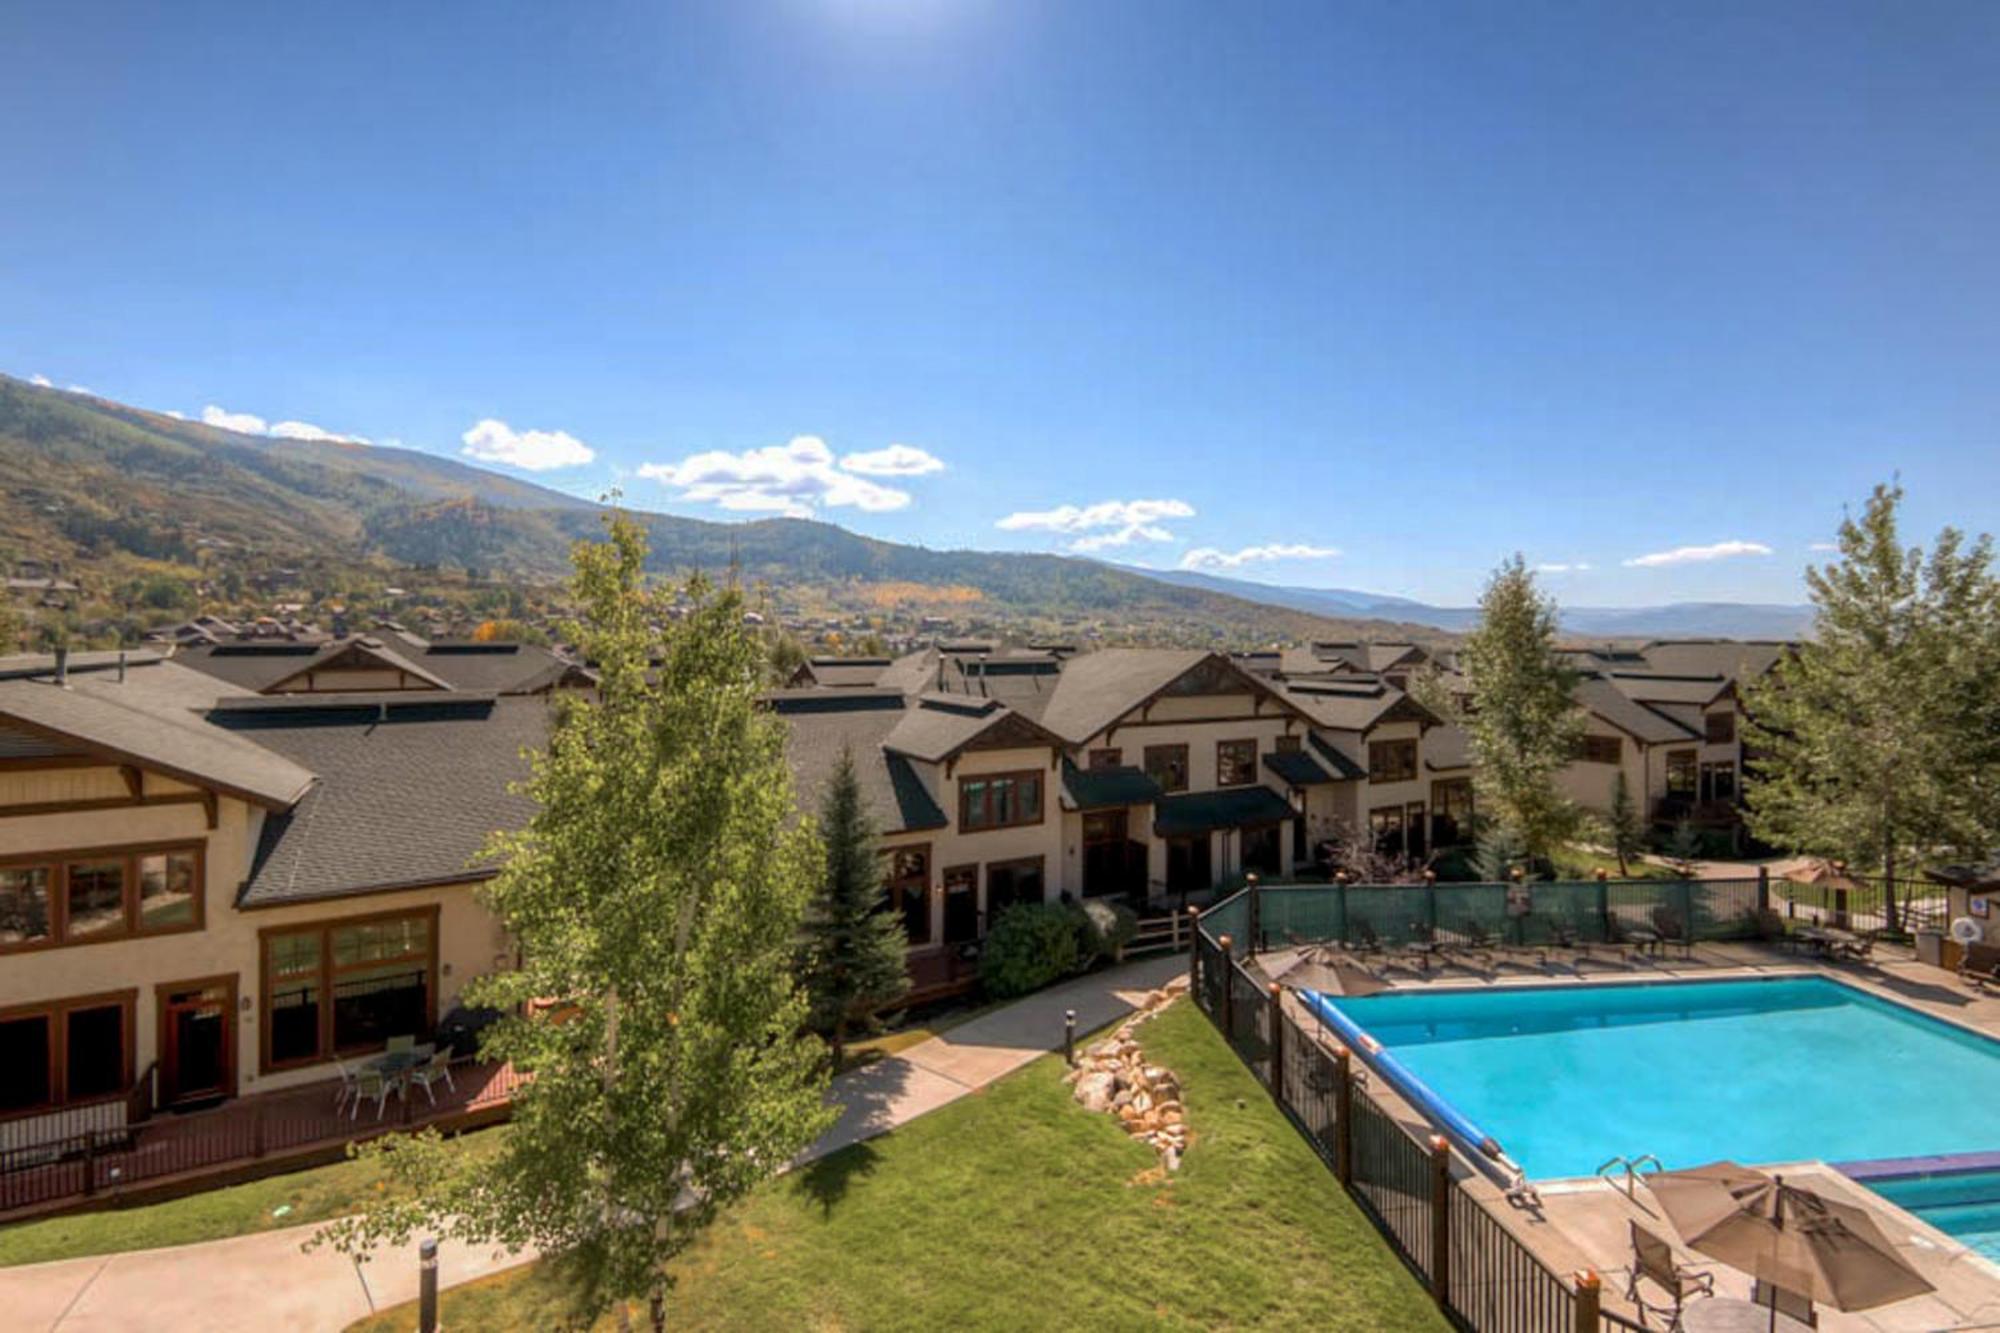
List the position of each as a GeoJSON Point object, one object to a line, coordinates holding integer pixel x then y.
{"type": "Point", "coordinates": [1424, 944]}
{"type": "Point", "coordinates": [1625, 937]}
{"type": "Point", "coordinates": [373, 1083]}
{"type": "Point", "coordinates": [1653, 1261]}
{"type": "Point", "coordinates": [1673, 930]}
{"type": "Point", "coordinates": [1856, 948]}
{"type": "Point", "coordinates": [437, 1071]}
{"type": "Point", "coordinates": [346, 1088]}
{"type": "Point", "coordinates": [1980, 966]}
{"type": "Point", "coordinates": [1361, 936]}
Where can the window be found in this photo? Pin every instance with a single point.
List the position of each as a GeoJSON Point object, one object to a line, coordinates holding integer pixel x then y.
{"type": "Point", "coordinates": [1451, 811]}
{"type": "Point", "coordinates": [1718, 782]}
{"type": "Point", "coordinates": [1105, 758]}
{"type": "Point", "coordinates": [907, 888]}
{"type": "Point", "coordinates": [1681, 773]}
{"type": "Point", "coordinates": [1287, 744]}
{"type": "Point", "coordinates": [24, 906]}
{"type": "Point", "coordinates": [1011, 882]}
{"type": "Point", "coordinates": [999, 800]}
{"type": "Point", "coordinates": [1385, 828]}
{"type": "Point", "coordinates": [1602, 750]}
{"type": "Point", "coordinates": [347, 985]}
{"type": "Point", "coordinates": [1392, 761]}
{"type": "Point", "coordinates": [1235, 763]}
{"type": "Point", "coordinates": [1721, 728]}
{"type": "Point", "coordinates": [108, 895]}
{"type": "Point", "coordinates": [70, 1051]}
{"type": "Point", "coordinates": [1168, 766]}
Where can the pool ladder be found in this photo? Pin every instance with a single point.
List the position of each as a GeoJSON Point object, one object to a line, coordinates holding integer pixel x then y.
{"type": "Point", "coordinates": [1630, 1166]}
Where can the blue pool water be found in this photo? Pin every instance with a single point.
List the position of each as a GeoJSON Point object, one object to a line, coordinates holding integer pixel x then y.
{"type": "Point", "coordinates": [1759, 1071]}
{"type": "Point", "coordinates": [1964, 1204]}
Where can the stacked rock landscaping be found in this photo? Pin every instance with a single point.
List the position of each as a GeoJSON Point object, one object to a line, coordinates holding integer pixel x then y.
{"type": "Point", "coordinates": [1113, 1076]}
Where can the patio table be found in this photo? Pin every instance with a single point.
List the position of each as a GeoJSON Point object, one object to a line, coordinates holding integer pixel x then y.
{"type": "Point", "coordinates": [1732, 1314]}
{"type": "Point", "coordinates": [395, 1064]}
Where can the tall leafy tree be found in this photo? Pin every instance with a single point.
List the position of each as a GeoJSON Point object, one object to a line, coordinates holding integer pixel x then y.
{"type": "Point", "coordinates": [853, 957]}
{"type": "Point", "coordinates": [656, 897]}
{"type": "Point", "coordinates": [1523, 725]}
{"type": "Point", "coordinates": [1874, 741]}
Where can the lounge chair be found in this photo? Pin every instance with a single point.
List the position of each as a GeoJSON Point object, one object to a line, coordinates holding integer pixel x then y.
{"type": "Point", "coordinates": [1624, 936]}
{"type": "Point", "coordinates": [1653, 1261]}
{"type": "Point", "coordinates": [1361, 936]}
{"type": "Point", "coordinates": [1424, 945]}
{"type": "Point", "coordinates": [1673, 930]}
{"type": "Point", "coordinates": [1980, 966]}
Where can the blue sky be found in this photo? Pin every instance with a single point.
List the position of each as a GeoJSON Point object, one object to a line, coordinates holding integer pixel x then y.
{"type": "Point", "coordinates": [1420, 284]}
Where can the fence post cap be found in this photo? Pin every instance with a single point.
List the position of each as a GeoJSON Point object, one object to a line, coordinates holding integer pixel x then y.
{"type": "Point", "coordinates": [1439, 1143]}
{"type": "Point", "coordinates": [1276, 990]}
{"type": "Point", "coordinates": [1224, 941]}
{"type": "Point", "coordinates": [1588, 1280]}
{"type": "Point", "coordinates": [1251, 879]}
{"type": "Point", "coordinates": [1603, 874]}
{"type": "Point", "coordinates": [1430, 875]}
{"type": "Point", "coordinates": [1516, 873]}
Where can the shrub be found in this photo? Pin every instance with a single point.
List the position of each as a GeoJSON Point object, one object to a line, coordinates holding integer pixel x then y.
{"type": "Point", "coordinates": [1104, 929]}
{"type": "Point", "coordinates": [1031, 945]}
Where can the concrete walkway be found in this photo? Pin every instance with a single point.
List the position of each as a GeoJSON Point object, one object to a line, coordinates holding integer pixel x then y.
{"type": "Point", "coordinates": [263, 1282]}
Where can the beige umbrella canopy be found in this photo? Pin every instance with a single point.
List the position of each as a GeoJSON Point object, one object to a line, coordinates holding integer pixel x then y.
{"type": "Point", "coordinates": [1788, 1237]}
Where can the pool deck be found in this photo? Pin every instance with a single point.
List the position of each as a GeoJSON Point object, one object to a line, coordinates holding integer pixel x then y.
{"type": "Point", "coordinates": [1584, 1224]}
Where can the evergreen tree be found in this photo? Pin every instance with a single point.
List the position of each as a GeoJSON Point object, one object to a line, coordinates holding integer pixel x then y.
{"type": "Point", "coordinates": [1523, 725]}
{"type": "Point", "coordinates": [1623, 826]}
{"type": "Point", "coordinates": [1874, 741]}
{"type": "Point", "coordinates": [853, 956]}
{"type": "Point", "coordinates": [657, 893]}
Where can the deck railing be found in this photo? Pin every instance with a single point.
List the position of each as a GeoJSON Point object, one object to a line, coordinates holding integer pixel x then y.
{"type": "Point", "coordinates": [1482, 1276]}
{"type": "Point", "coordinates": [81, 1152]}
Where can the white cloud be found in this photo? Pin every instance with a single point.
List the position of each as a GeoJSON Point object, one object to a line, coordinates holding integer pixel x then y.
{"type": "Point", "coordinates": [305, 430]}
{"type": "Point", "coordinates": [1562, 567]}
{"type": "Point", "coordinates": [898, 460]}
{"type": "Point", "coordinates": [1104, 524]}
{"type": "Point", "coordinates": [41, 381]}
{"type": "Point", "coordinates": [1688, 555]}
{"type": "Point", "coordinates": [1207, 557]}
{"type": "Point", "coordinates": [793, 479]}
{"type": "Point", "coordinates": [1824, 546]}
{"type": "Point", "coordinates": [494, 441]}
{"type": "Point", "coordinates": [243, 423]}
{"type": "Point", "coordinates": [249, 423]}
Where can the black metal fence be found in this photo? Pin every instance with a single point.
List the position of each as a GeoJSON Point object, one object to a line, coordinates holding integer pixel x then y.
{"type": "Point", "coordinates": [1483, 1277]}
{"type": "Point", "coordinates": [1870, 903]}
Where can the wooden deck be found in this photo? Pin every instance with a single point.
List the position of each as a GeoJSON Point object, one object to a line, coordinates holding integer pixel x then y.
{"type": "Point", "coordinates": [172, 1151]}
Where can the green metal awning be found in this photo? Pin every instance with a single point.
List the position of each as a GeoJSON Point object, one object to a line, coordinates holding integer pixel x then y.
{"type": "Point", "coordinates": [1106, 788]}
{"type": "Point", "coordinates": [1296, 768]}
{"type": "Point", "coordinates": [1204, 812]}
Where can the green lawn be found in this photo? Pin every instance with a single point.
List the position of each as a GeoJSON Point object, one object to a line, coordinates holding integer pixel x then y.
{"type": "Point", "coordinates": [303, 1196]}
{"type": "Point", "coordinates": [1016, 1207]}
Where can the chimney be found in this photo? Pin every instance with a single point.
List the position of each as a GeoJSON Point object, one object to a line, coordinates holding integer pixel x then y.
{"type": "Point", "coordinates": [62, 664]}
{"type": "Point", "coordinates": [121, 666]}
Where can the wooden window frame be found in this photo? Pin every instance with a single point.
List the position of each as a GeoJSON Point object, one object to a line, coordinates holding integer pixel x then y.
{"type": "Point", "coordinates": [1039, 862]}
{"type": "Point", "coordinates": [1250, 770]}
{"type": "Point", "coordinates": [1727, 722]}
{"type": "Point", "coordinates": [57, 1013]}
{"type": "Point", "coordinates": [1379, 772]}
{"type": "Point", "coordinates": [58, 865]}
{"type": "Point", "coordinates": [1109, 755]}
{"type": "Point", "coordinates": [1168, 749]}
{"type": "Point", "coordinates": [1016, 776]}
{"type": "Point", "coordinates": [896, 889]}
{"type": "Point", "coordinates": [1688, 761]}
{"type": "Point", "coordinates": [225, 980]}
{"type": "Point", "coordinates": [1289, 743]}
{"type": "Point", "coordinates": [1585, 745]}
{"type": "Point", "coordinates": [328, 976]}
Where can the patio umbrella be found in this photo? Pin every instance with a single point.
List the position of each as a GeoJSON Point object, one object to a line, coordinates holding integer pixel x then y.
{"type": "Point", "coordinates": [1785, 1236]}
{"type": "Point", "coordinates": [1820, 872]}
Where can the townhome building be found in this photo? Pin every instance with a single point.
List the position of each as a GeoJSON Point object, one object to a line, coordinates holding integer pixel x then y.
{"type": "Point", "coordinates": [207, 891]}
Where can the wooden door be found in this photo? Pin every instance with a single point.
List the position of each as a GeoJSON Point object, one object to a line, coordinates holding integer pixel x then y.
{"type": "Point", "coordinates": [197, 1040]}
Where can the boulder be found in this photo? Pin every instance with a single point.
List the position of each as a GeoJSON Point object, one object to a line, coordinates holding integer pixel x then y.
{"type": "Point", "coordinates": [1094, 1091]}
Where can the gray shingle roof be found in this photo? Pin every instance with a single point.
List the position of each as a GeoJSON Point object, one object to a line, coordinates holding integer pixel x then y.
{"type": "Point", "coordinates": [1628, 714]}
{"type": "Point", "coordinates": [409, 791]}
{"type": "Point", "coordinates": [153, 719]}
{"type": "Point", "coordinates": [821, 723]}
{"type": "Point", "coordinates": [1096, 689]}
{"type": "Point", "coordinates": [1355, 705]}
{"type": "Point", "coordinates": [1335, 758]}
{"type": "Point", "coordinates": [501, 668]}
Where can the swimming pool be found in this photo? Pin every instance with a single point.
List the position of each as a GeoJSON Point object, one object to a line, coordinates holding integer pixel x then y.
{"type": "Point", "coordinates": [1567, 1077]}
{"type": "Point", "coordinates": [1962, 1204]}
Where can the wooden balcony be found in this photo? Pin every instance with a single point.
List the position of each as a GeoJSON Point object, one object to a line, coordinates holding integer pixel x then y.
{"type": "Point", "coordinates": [114, 1149]}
